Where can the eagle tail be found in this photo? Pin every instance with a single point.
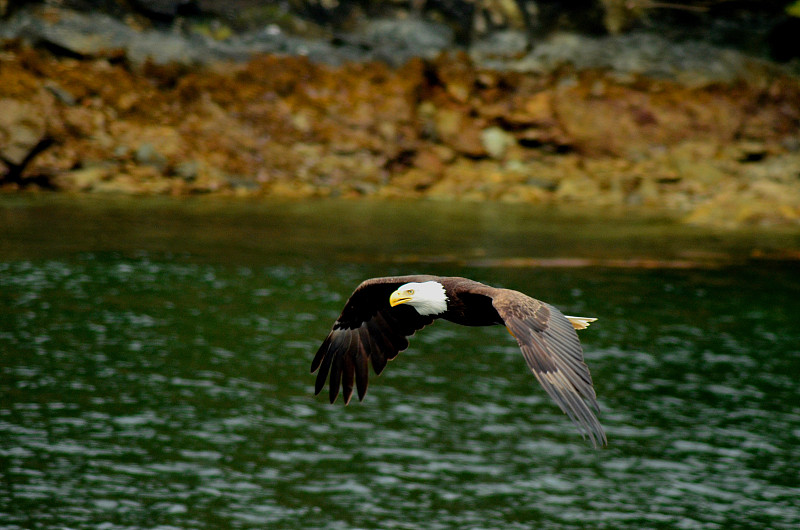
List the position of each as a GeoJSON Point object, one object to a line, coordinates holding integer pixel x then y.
{"type": "Point", "coordinates": [580, 322]}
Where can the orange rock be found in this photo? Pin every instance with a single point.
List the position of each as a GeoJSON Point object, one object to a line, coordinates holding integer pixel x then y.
{"type": "Point", "coordinates": [539, 107]}
{"type": "Point", "coordinates": [456, 73]}
{"type": "Point", "coordinates": [429, 161]}
{"type": "Point", "coordinates": [23, 125]}
{"type": "Point", "coordinates": [459, 131]}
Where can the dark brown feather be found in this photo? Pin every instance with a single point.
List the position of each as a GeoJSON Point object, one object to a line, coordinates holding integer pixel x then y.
{"type": "Point", "coordinates": [368, 329]}
{"type": "Point", "coordinates": [362, 362]}
{"type": "Point", "coordinates": [321, 352]}
{"type": "Point", "coordinates": [336, 371]}
{"type": "Point", "coordinates": [382, 345]}
{"type": "Point", "coordinates": [348, 373]}
{"type": "Point", "coordinates": [325, 362]}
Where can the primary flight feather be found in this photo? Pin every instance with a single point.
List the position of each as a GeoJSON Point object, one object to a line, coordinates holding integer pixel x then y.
{"type": "Point", "coordinates": [382, 312]}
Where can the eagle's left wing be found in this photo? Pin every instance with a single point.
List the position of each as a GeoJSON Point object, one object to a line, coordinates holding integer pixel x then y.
{"type": "Point", "coordinates": [553, 352]}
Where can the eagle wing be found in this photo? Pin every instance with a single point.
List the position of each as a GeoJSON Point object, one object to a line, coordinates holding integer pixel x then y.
{"type": "Point", "coordinates": [368, 329]}
{"type": "Point", "coordinates": [553, 352]}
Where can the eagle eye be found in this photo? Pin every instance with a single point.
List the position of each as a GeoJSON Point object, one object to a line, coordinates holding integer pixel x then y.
{"type": "Point", "coordinates": [410, 291]}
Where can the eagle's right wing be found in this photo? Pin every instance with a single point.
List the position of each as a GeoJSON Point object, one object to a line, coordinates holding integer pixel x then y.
{"type": "Point", "coordinates": [368, 329]}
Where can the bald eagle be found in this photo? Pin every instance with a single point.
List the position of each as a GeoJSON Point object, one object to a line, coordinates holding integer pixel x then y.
{"type": "Point", "coordinates": [382, 312]}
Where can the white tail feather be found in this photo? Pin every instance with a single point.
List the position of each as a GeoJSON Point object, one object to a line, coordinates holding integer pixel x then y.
{"type": "Point", "coordinates": [580, 322]}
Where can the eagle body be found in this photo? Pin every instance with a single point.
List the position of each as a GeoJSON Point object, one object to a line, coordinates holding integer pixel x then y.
{"type": "Point", "coordinates": [469, 303]}
{"type": "Point", "coordinates": [382, 313]}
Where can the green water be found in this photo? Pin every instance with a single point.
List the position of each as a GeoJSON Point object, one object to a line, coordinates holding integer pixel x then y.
{"type": "Point", "coordinates": [154, 371]}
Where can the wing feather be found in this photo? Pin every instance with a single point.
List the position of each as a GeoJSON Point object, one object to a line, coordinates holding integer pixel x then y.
{"type": "Point", "coordinates": [393, 330]}
{"type": "Point", "coordinates": [551, 348]}
{"type": "Point", "coordinates": [368, 329]}
{"type": "Point", "coordinates": [362, 361]}
{"type": "Point", "coordinates": [349, 371]}
{"type": "Point", "coordinates": [321, 353]}
{"type": "Point", "coordinates": [336, 369]}
{"type": "Point", "coordinates": [334, 341]}
{"type": "Point", "coordinates": [381, 345]}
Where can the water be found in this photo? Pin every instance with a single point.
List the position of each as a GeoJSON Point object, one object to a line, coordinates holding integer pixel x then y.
{"type": "Point", "coordinates": [154, 372]}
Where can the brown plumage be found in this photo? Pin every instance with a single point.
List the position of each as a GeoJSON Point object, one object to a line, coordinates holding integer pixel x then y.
{"type": "Point", "coordinates": [379, 316]}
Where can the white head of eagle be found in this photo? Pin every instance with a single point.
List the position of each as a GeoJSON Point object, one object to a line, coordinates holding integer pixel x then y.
{"type": "Point", "coordinates": [428, 298]}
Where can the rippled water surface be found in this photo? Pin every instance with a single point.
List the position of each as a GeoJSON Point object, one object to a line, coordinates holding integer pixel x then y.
{"type": "Point", "coordinates": [154, 372]}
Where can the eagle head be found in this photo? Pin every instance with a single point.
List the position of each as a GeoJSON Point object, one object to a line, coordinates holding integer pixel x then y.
{"type": "Point", "coordinates": [428, 298]}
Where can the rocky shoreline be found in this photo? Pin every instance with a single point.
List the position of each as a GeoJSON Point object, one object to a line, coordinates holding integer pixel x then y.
{"type": "Point", "coordinates": [709, 135]}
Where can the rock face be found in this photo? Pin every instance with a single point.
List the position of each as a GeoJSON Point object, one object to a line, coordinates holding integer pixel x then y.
{"type": "Point", "coordinates": [514, 45]}
{"type": "Point", "coordinates": [723, 155]}
{"type": "Point", "coordinates": [398, 41]}
{"type": "Point", "coordinates": [96, 35]}
{"type": "Point", "coordinates": [22, 128]}
{"type": "Point", "coordinates": [24, 131]}
{"type": "Point", "coordinates": [147, 111]}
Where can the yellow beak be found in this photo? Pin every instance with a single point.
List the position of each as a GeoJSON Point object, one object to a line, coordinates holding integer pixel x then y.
{"type": "Point", "coordinates": [398, 298]}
